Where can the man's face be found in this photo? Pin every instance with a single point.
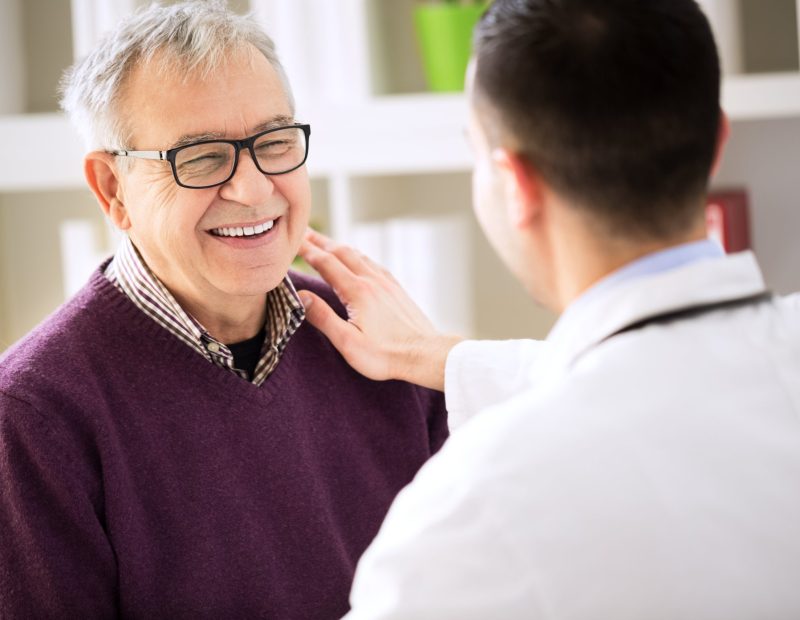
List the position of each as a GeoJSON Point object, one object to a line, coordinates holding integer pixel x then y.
{"type": "Point", "coordinates": [489, 193]}
{"type": "Point", "coordinates": [174, 227]}
{"type": "Point", "coordinates": [495, 196]}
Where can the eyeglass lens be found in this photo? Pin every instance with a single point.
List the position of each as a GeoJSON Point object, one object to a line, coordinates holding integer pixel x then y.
{"type": "Point", "coordinates": [205, 164]}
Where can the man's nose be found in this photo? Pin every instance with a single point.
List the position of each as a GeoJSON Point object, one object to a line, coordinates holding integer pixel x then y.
{"type": "Point", "coordinates": [248, 185]}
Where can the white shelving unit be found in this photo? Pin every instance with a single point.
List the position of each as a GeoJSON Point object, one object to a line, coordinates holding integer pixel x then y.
{"type": "Point", "coordinates": [380, 149]}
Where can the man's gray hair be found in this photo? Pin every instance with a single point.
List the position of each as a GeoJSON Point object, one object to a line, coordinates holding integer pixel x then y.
{"type": "Point", "coordinates": [195, 37]}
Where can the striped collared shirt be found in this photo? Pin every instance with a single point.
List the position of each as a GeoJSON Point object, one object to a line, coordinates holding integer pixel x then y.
{"type": "Point", "coordinates": [285, 313]}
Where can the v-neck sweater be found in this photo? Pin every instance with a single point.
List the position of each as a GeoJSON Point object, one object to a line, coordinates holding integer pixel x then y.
{"type": "Point", "coordinates": [140, 481]}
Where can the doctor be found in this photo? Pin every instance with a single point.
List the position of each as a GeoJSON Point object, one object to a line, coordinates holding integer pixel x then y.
{"type": "Point", "coordinates": [643, 461]}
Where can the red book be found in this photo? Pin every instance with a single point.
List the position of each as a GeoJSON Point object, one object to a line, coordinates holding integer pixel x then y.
{"type": "Point", "coordinates": [727, 219]}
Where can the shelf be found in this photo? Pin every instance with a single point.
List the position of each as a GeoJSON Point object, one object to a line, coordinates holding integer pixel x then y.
{"type": "Point", "coordinates": [44, 153]}
{"type": "Point", "coordinates": [391, 135]}
{"type": "Point", "coordinates": [401, 134]}
{"type": "Point", "coordinates": [405, 134]}
{"type": "Point", "coordinates": [764, 96]}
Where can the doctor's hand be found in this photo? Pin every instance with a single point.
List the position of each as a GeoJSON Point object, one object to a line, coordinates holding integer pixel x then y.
{"type": "Point", "coordinates": [386, 335]}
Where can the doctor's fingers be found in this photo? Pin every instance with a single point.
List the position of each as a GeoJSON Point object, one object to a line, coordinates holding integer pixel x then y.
{"type": "Point", "coordinates": [344, 281]}
{"type": "Point", "coordinates": [356, 261]}
{"type": "Point", "coordinates": [351, 258]}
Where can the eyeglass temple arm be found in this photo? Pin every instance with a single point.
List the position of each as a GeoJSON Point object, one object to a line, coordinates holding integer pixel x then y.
{"type": "Point", "coordinates": [142, 154]}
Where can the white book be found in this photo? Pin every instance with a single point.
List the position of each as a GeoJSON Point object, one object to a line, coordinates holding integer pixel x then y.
{"type": "Point", "coordinates": [431, 258]}
{"type": "Point", "coordinates": [91, 19]}
{"type": "Point", "coordinates": [370, 238]}
{"type": "Point", "coordinates": [342, 46]}
{"type": "Point", "coordinates": [324, 47]}
{"type": "Point", "coordinates": [287, 22]}
{"type": "Point", "coordinates": [82, 250]}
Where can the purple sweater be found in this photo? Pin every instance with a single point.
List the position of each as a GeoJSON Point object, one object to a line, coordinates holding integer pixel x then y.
{"type": "Point", "coordinates": [138, 480]}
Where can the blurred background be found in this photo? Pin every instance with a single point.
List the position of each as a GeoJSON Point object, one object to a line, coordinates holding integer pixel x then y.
{"type": "Point", "coordinates": [388, 159]}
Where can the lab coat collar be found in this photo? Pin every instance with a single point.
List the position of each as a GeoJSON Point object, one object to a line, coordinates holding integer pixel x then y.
{"type": "Point", "coordinates": [712, 280]}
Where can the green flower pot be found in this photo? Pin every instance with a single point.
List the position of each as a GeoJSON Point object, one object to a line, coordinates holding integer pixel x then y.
{"type": "Point", "coordinates": [445, 37]}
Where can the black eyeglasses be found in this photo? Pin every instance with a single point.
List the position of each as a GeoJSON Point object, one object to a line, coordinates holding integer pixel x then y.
{"type": "Point", "coordinates": [213, 162]}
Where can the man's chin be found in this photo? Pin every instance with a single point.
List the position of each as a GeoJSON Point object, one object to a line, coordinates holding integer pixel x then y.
{"type": "Point", "coordinates": [260, 282]}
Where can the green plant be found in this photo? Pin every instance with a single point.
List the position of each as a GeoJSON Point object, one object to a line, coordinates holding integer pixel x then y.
{"type": "Point", "coordinates": [444, 30]}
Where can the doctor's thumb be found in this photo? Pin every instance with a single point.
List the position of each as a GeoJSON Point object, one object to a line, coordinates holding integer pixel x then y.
{"type": "Point", "coordinates": [306, 299]}
{"type": "Point", "coordinates": [323, 317]}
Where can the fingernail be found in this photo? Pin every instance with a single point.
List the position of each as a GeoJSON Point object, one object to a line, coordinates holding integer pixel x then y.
{"type": "Point", "coordinates": [305, 298]}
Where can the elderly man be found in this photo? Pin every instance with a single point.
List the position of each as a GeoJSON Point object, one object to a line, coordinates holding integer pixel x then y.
{"type": "Point", "coordinates": [644, 461]}
{"type": "Point", "coordinates": [176, 441]}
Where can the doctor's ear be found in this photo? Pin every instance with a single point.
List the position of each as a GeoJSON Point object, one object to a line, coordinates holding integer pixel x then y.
{"type": "Point", "coordinates": [723, 133]}
{"type": "Point", "coordinates": [521, 184]}
{"type": "Point", "coordinates": [102, 175]}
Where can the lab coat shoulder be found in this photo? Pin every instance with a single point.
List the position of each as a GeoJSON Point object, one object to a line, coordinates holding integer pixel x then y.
{"type": "Point", "coordinates": [442, 533]}
{"type": "Point", "coordinates": [792, 301]}
{"type": "Point", "coordinates": [609, 466]}
{"type": "Point", "coordinates": [479, 374]}
{"type": "Point", "coordinates": [741, 360]}
{"type": "Point", "coordinates": [493, 481]}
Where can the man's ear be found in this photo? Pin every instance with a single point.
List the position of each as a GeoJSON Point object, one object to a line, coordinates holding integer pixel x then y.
{"type": "Point", "coordinates": [522, 186]}
{"type": "Point", "coordinates": [102, 176]}
{"type": "Point", "coordinates": [723, 132]}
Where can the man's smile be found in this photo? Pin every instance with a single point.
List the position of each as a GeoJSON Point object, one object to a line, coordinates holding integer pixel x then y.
{"type": "Point", "coordinates": [246, 230]}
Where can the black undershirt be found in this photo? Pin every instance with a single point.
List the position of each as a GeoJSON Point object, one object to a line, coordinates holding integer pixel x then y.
{"type": "Point", "coordinates": [247, 353]}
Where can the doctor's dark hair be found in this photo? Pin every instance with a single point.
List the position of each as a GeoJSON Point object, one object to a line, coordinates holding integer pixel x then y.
{"type": "Point", "coordinates": [614, 102]}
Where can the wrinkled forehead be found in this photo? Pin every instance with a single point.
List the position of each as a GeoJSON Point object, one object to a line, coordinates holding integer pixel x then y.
{"type": "Point", "coordinates": [175, 63]}
{"type": "Point", "coordinates": [165, 99]}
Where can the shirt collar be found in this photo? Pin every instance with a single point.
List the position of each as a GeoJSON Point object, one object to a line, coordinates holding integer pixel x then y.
{"type": "Point", "coordinates": [657, 285]}
{"type": "Point", "coordinates": [650, 264]}
{"type": "Point", "coordinates": [285, 312]}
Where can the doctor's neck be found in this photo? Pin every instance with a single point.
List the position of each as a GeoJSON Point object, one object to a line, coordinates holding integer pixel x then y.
{"type": "Point", "coordinates": [581, 252]}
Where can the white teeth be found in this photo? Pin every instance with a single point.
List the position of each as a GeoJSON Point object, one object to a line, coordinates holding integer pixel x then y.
{"type": "Point", "coordinates": [245, 231]}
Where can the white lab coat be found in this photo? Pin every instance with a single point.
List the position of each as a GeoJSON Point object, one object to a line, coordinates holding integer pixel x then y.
{"type": "Point", "coordinates": [655, 474]}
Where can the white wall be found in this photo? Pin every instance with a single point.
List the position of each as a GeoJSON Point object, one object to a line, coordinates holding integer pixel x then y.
{"type": "Point", "coordinates": [48, 51]}
{"type": "Point", "coordinates": [30, 255]}
{"type": "Point", "coordinates": [12, 94]}
{"type": "Point", "coordinates": [764, 157]}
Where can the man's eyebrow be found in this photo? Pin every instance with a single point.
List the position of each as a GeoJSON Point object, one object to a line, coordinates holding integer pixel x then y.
{"type": "Point", "coordinates": [189, 138]}
{"type": "Point", "coordinates": [275, 121]}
